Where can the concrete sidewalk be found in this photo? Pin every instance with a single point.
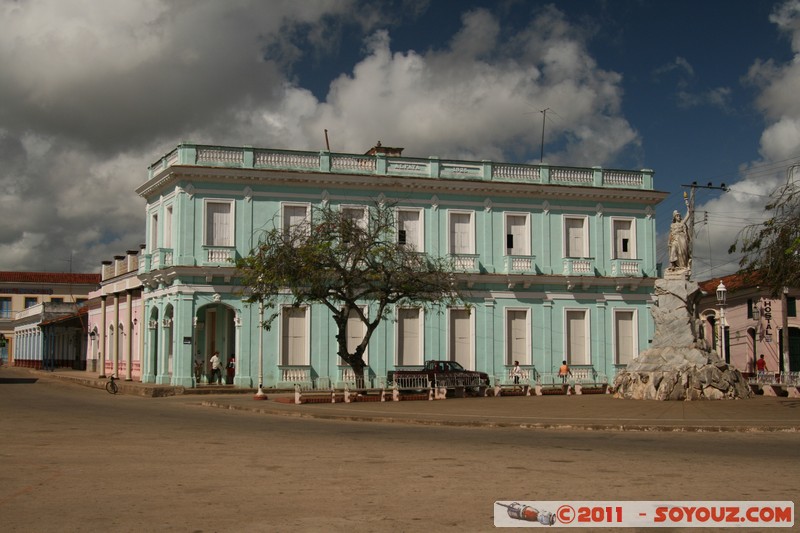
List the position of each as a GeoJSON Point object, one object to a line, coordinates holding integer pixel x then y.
{"type": "Point", "coordinates": [588, 412]}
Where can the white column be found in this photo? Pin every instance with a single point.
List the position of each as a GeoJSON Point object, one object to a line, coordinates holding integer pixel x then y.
{"type": "Point", "coordinates": [103, 333]}
{"type": "Point", "coordinates": [115, 351]}
{"type": "Point", "coordinates": [129, 343]}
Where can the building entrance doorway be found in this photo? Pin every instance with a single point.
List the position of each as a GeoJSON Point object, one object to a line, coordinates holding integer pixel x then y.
{"type": "Point", "coordinates": [215, 331]}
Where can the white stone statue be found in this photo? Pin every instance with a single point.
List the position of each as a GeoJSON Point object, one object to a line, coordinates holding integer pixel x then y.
{"type": "Point", "coordinates": [678, 242]}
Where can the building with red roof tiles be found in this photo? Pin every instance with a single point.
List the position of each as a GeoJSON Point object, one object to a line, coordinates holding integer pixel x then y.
{"type": "Point", "coordinates": [24, 296]}
{"type": "Point", "coordinates": [755, 323]}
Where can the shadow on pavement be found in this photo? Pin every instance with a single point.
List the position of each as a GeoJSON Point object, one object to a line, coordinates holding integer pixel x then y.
{"type": "Point", "coordinates": [14, 381]}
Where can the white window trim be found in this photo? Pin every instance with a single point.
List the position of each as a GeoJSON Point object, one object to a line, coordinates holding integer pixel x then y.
{"type": "Point", "coordinates": [307, 336]}
{"type": "Point", "coordinates": [506, 325]}
{"type": "Point", "coordinates": [421, 318]}
{"type": "Point", "coordinates": [232, 203]}
{"type": "Point", "coordinates": [527, 216]}
{"type": "Point", "coordinates": [472, 244]}
{"type": "Point", "coordinates": [633, 249]}
{"type": "Point", "coordinates": [168, 224]}
{"type": "Point", "coordinates": [284, 205]}
{"type": "Point", "coordinates": [471, 334]}
{"type": "Point", "coordinates": [421, 221]}
{"type": "Point", "coordinates": [586, 334]}
{"type": "Point", "coordinates": [565, 244]}
{"type": "Point", "coordinates": [352, 207]}
{"type": "Point", "coordinates": [634, 332]}
{"type": "Point", "coordinates": [155, 230]}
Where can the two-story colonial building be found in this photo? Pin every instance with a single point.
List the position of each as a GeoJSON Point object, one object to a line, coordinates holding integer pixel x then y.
{"type": "Point", "coordinates": [27, 299]}
{"type": "Point", "coordinates": [558, 263]}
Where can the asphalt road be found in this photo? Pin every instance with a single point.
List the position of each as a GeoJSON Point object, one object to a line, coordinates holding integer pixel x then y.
{"type": "Point", "coordinates": [78, 459]}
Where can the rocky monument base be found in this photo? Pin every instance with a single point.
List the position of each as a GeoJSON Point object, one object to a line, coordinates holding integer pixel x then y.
{"type": "Point", "coordinates": [679, 365]}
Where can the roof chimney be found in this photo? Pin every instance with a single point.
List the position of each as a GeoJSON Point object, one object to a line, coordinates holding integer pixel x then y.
{"type": "Point", "coordinates": [385, 150]}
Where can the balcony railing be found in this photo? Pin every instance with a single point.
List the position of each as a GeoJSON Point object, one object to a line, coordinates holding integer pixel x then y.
{"type": "Point", "coordinates": [382, 165]}
{"type": "Point", "coordinates": [465, 262]}
{"type": "Point", "coordinates": [220, 255]}
{"type": "Point", "coordinates": [630, 268]}
{"type": "Point", "coordinates": [574, 266]}
{"type": "Point", "coordinates": [520, 264]}
{"type": "Point", "coordinates": [161, 258]}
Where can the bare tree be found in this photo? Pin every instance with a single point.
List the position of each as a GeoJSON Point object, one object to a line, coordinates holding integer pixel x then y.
{"type": "Point", "coordinates": [771, 249]}
{"type": "Point", "coordinates": [344, 260]}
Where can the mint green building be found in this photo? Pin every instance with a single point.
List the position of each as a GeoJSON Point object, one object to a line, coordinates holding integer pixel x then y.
{"type": "Point", "coordinates": [558, 263]}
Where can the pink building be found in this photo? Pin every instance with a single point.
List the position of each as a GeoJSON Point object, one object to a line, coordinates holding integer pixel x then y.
{"type": "Point", "coordinates": [755, 323]}
{"type": "Point", "coordinates": [115, 340]}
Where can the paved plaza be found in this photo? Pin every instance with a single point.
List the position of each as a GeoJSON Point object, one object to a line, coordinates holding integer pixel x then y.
{"type": "Point", "coordinates": [590, 412]}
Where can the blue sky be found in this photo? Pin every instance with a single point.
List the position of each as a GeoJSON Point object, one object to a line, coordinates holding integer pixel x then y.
{"type": "Point", "coordinates": [92, 93]}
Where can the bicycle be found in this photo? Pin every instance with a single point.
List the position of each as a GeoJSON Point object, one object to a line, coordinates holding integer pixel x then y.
{"type": "Point", "coordinates": [111, 385]}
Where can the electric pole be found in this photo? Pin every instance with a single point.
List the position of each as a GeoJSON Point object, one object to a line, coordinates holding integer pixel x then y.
{"type": "Point", "coordinates": [544, 119]}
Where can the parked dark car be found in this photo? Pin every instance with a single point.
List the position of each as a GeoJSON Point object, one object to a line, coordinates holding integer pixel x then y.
{"type": "Point", "coordinates": [447, 374]}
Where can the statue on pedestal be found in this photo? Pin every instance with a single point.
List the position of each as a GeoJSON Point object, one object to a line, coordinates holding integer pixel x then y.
{"type": "Point", "coordinates": [679, 365]}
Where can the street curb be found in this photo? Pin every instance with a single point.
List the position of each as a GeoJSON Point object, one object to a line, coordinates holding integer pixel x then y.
{"type": "Point", "coordinates": [513, 425]}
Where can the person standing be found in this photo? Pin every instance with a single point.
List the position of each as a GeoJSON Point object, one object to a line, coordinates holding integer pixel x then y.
{"type": "Point", "coordinates": [231, 369]}
{"type": "Point", "coordinates": [761, 367]}
{"type": "Point", "coordinates": [216, 368]}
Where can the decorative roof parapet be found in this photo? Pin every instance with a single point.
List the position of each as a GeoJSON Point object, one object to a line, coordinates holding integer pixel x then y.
{"type": "Point", "coordinates": [381, 164]}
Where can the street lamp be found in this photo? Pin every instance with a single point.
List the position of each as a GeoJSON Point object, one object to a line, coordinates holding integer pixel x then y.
{"type": "Point", "coordinates": [260, 394]}
{"type": "Point", "coordinates": [722, 293]}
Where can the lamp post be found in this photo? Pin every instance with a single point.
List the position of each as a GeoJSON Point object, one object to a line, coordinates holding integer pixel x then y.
{"type": "Point", "coordinates": [260, 394]}
{"type": "Point", "coordinates": [721, 296]}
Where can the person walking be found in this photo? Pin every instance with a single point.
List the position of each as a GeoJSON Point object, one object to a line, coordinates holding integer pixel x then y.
{"type": "Point", "coordinates": [216, 368]}
{"type": "Point", "coordinates": [516, 372]}
{"type": "Point", "coordinates": [564, 372]}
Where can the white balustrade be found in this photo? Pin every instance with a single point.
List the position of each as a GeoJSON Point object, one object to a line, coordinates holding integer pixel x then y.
{"type": "Point", "coordinates": [286, 159]}
{"type": "Point", "coordinates": [220, 255]}
{"type": "Point", "coordinates": [578, 266]}
{"type": "Point", "coordinates": [625, 179]}
{"type": "Point", "coordinates": [356, 163]}
{"type": "Point", "coordinates": [571, 175]}
{"type": "Point", "coordinates": [294, 375]}
{"type": "Point", "coordinates": [465, 262]}
{"type": "Point", "coordinates": [516, 172]}
{"type": "Point", "coordinates": [220, 155]}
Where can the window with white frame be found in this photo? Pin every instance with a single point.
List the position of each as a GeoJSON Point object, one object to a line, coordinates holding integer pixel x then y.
{"type": "Point", "coordinates": [409, 336]}
{"type": "Point", "coordinates": [518, 345]}
{"type": "Point", "coordinates": [168, 227]}
{"type": "Point", "coordinates": [356, 215]}
{"type": "Point", "coordinates": [294, 215]}
{"type": "Point", "coordinates": [577, 337]}
{"type": "Point", "coordinates": [576, 236]}
{"type": "Point", "coordinates": [624, 336]}
{"type": "Point", "coordinates": [462, 232]}
{"type": "Point", "coordinates": [409, 228]}
{"type": "Point", "coordinates": [517, 234]}
{"type": "Point", "coordinates": [460, 337]}
{"type": "Point", "coordinates": [219, 223]}
{"type": "Point", "coordinates": [294, 336]}
{"type": "Point", "coordinates": [623, 238]}
{"type": "Point", "coordinates": [153, 232]}
{"type": "Point", "coordinates": [356, 329]}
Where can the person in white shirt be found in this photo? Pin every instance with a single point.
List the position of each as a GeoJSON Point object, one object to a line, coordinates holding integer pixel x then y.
{"type": "Point", "coordinates": [216, 368]}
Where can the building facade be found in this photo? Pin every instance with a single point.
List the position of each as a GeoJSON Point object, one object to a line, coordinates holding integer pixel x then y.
{"type": "Point", "coordinates": [755, 323]}
{"type": "Point", "coordinates": [27, 299]}
{"type": "Point", "coordinates": [558, 263]}
{"type": "Point", "coordinates": [115, 341]}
